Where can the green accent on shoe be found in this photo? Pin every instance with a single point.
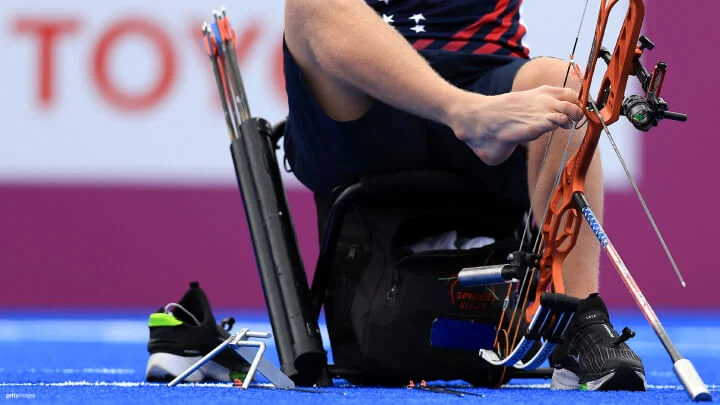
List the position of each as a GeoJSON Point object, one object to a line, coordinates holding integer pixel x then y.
{"type": "Point", "coordinates": [237, 375]}
{"type": "Point", "coordinates": [583, 387]}
{"type": "Point", "coordinates": [160, 319]}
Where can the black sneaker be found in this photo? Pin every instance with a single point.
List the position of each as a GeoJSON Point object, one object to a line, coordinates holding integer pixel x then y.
{"type": "Point", "coordinates": [182, 333]}
{"type": "Point", "coordinates": [594, 356]}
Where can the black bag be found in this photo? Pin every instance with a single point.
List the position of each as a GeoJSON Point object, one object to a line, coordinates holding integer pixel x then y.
{"type": "Point", "coordinates": [394, 316]}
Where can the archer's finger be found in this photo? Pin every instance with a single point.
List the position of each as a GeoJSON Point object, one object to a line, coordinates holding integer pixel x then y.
{"type": "Point", "coordinates": [561, 120]}
{"type": "Point", "coordinates": [571, 109]}
{"type": "Point", "coordinates": [563, 93]}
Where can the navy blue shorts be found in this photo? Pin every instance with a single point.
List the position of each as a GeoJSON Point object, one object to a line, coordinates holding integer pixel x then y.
{"type": "Point", "coordinates": [325, 153]}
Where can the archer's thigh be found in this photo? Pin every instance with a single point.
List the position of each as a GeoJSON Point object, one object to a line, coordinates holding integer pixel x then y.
{"type": "Point", "coordinates": [498, 75]}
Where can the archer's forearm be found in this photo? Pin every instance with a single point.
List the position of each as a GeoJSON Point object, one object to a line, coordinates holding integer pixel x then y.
{"type": "Point", "coordinates": [353, 45]}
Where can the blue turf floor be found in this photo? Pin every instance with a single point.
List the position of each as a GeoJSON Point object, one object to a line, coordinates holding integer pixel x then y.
{"type": "Point", "coordinates": [71, 358]}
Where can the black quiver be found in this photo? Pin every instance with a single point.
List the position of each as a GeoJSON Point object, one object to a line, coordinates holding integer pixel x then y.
{"type": "Point", "coordinates": [280, 265]}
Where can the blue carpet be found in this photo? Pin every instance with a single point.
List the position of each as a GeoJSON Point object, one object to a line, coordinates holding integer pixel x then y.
{"type": "Point", "coordinates": [90, 358]}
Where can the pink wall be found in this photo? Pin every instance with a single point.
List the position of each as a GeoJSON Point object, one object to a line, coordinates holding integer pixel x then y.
{"type": "Point", "coordinates": [131, 246]}
{"type": "Point", "coordinates": [680, 182]}
{"type": "Point", "coordinates": [110, 246]}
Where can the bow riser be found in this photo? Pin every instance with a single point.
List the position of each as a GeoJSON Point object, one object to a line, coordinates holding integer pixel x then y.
{"type": "Point", "coordinates": [563, 218]}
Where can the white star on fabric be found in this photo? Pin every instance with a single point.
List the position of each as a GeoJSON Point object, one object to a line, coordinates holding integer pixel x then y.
{"type": "Point", "coordinates": [388, 18]}
{"type": "Point", "coordinates": [384, 1]}
{"type": "Point", "coordinates": [417, 18]}
{"type": "Point", "coordinates": [418, 28]}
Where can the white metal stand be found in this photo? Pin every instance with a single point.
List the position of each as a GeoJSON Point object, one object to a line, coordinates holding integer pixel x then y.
{"type": "Point", "coordinates": [244, 347]}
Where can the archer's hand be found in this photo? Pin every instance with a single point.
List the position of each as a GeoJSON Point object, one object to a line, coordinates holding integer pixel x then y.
{"type": "Point", "coordinates": [492, 126]}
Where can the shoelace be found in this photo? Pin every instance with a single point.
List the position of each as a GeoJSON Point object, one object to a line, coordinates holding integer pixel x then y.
{"type": "Point", "coordinates": [226, 323]}
{"type": "Point", "coordinates": [170, 306]}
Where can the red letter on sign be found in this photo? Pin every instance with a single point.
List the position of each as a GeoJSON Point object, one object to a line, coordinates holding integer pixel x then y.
{"type": "Point", "coordinates": [278, 70]}
{"type": "Point", "coordinates": [247, 39]}
{"type": "Point", "coordinates": [47, 32]}
{"type": "Point", "coordinates": [165, 79]}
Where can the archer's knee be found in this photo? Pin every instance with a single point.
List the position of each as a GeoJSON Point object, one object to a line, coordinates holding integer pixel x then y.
{"type": "Point", "coordinates": [547, 71]}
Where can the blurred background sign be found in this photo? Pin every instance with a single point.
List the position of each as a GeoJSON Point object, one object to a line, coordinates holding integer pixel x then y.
{"type": "Point", "coordinates": [123, 91]}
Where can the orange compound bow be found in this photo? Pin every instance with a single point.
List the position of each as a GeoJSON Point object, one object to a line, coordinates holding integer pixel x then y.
{"type": "Point", "coordinates": [536, 312]}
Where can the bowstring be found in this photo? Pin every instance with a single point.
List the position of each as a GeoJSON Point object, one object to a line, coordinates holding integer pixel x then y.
{"type": "Point", "coordinates": [538, 237]}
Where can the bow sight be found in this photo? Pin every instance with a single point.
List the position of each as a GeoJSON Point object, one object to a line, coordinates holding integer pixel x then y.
{"type": "Point", "coordinates": [645, 112]}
